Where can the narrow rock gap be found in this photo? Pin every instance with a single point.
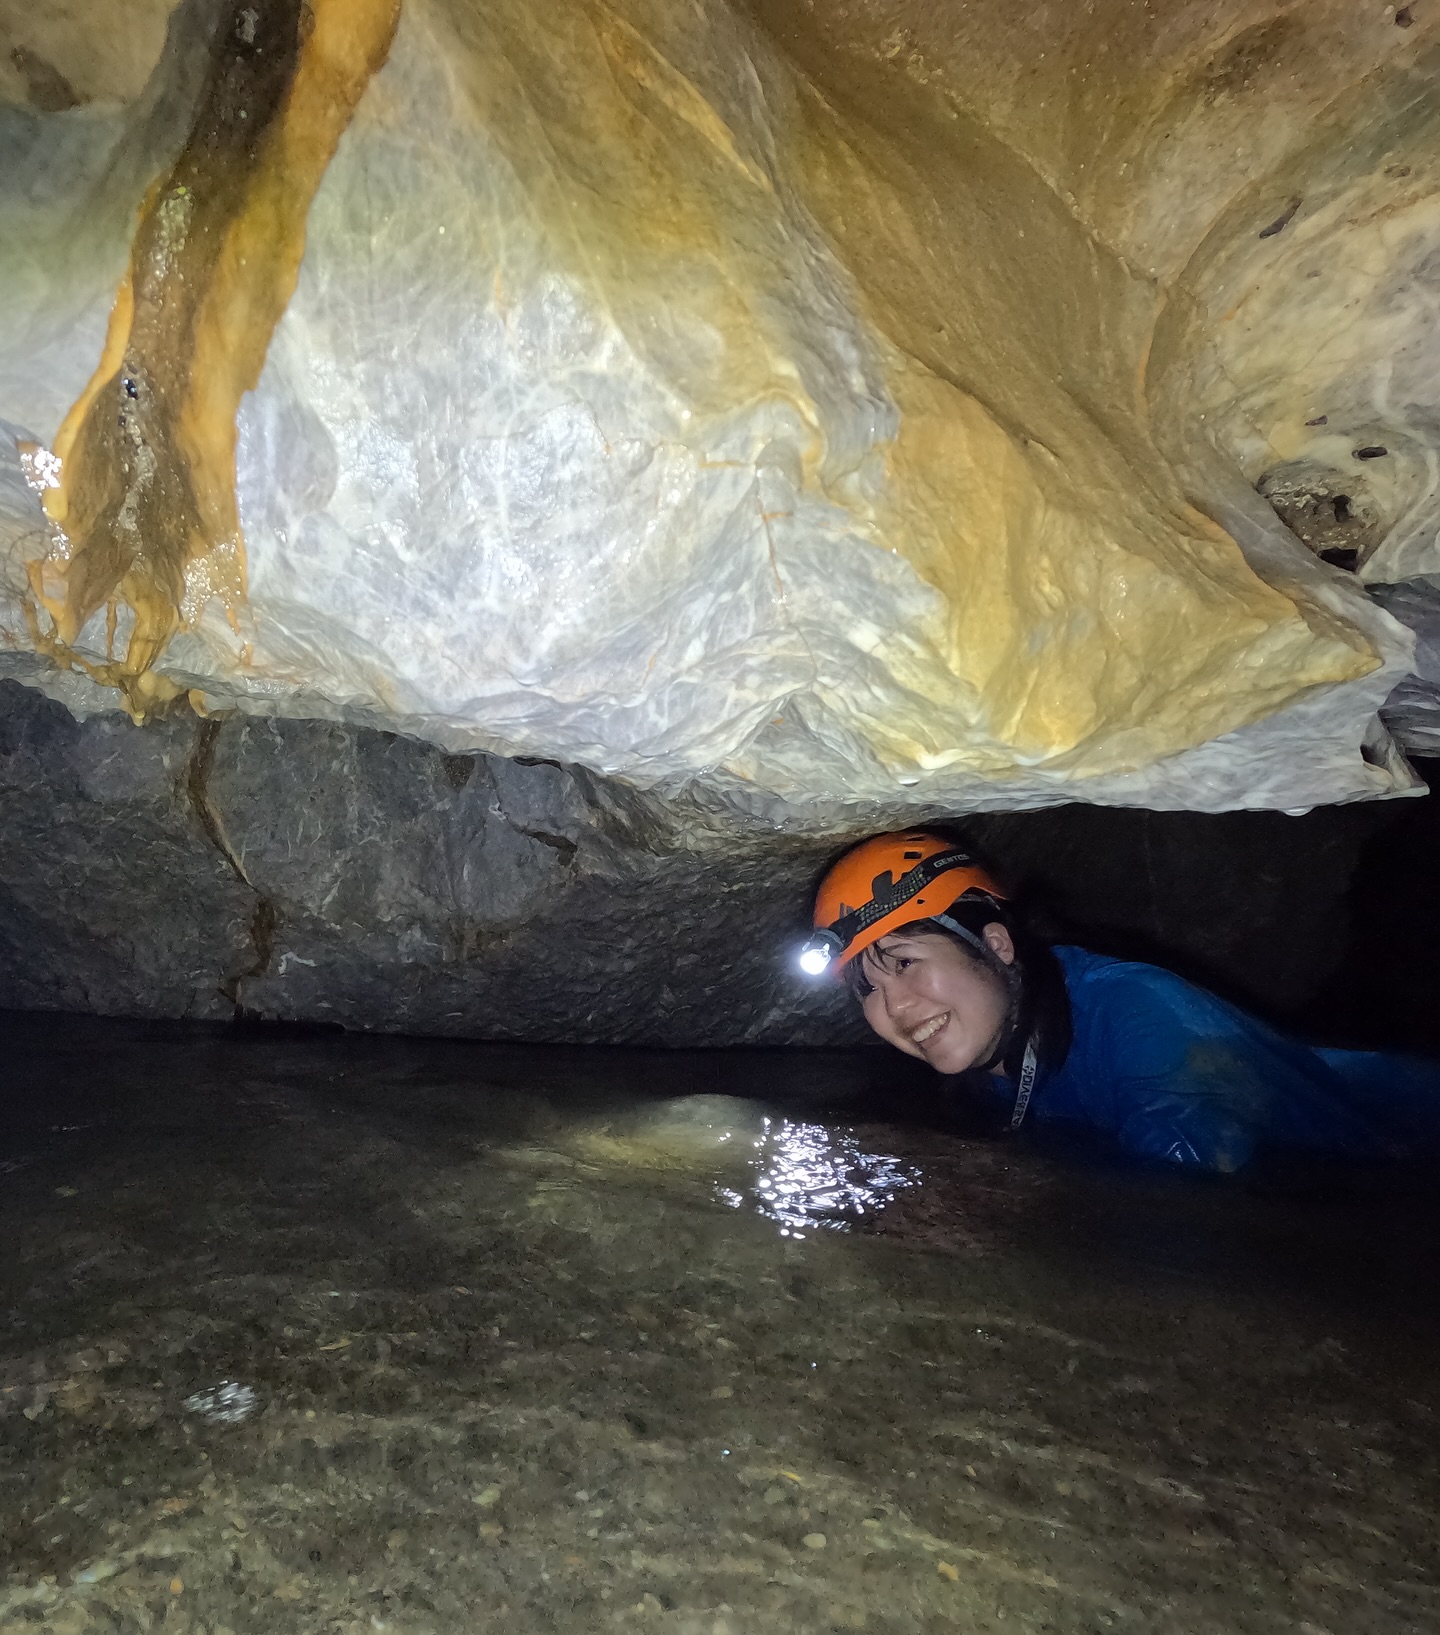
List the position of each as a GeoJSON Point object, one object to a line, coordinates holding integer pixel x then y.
{"type": "Point", "coordinates": [265, 918]}
{"type": "Point", "coordinates": [197, 787]}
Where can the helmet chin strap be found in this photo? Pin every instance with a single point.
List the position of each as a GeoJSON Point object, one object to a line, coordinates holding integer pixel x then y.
{"type": "Point", "coordinates": [964, 932]}
{"type": "Point", "coordinates": [1006, 1035]}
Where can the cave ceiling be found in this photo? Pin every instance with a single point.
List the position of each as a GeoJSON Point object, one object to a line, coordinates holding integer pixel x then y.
{"type": "Point", "coordinates": [830, 406]}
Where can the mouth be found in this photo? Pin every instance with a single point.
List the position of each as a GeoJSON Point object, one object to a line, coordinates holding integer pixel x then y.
{"type": "Point", "coordinates": [928, 1029]}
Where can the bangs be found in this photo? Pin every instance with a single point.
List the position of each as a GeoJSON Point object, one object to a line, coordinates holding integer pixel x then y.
{"type": "Point", "coordinates": [853, 975]}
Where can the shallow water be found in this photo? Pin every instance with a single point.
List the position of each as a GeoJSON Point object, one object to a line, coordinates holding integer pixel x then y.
{"type": "Point", "coordinates": [354, 1334]}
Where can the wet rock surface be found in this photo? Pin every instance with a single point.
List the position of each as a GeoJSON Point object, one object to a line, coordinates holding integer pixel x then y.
{"type": "Point", "coordinates": [319, 873]}
{"type": "Point", "coordinates": [354, 1335]}
{"type": "Point", "coordinates": [1330, 512]}
{"type": "Point", "coordinates": [309, 871]}
{"type": "Point", "coordinates": [623, 411]}
{"type": "Point", "coordinates": [1413, 709]}
{"type": "Point", "coordinates": [98, 834]}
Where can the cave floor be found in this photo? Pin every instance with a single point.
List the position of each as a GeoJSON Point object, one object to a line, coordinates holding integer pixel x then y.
{"type": "Point", "coordinates": [352, 1334]}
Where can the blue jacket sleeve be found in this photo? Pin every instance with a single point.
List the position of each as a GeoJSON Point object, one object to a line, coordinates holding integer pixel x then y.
{"type": "Point", "coordinates": [1178, 1074]}
{"type": "Point", "coordinates": [1190, 1078]}
{"type": "Point", "coordinates": [1178, 1128]}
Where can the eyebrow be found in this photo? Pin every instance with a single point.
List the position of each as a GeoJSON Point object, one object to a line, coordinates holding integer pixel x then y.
{"type": "Point", "coordinates": [877, 955]}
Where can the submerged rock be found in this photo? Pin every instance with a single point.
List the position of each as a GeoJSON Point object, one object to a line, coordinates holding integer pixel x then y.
{"type": "Point", "coordinates": [1094, 1396]}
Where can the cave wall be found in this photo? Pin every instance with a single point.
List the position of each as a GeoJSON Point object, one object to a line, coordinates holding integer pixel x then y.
{"type": "Point", "coordinates": [321, 873]}
{"type": "Point", "coordinates": [547, 480]}
{"type": "Point", "coordinates": [311, 871]}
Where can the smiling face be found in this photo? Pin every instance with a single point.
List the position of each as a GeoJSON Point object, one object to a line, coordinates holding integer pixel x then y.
{"type": "Point", "coordinates": [924, 994]}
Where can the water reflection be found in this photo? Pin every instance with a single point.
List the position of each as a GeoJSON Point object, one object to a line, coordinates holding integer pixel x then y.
{"type": "Point", "coordinates": [809, 1176]}
{"type": "Point", "coordinates": [225, 1404]}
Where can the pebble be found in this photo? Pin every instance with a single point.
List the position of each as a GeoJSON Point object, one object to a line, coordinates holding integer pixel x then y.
{"type": "Point", "coordinates": [97, 1572]}
{"type": "Point", "coordinates": [486, 1497]}
{"type": "Point", "coordinates": [814, 1541]}
{"type": "Point", "coordinates": [720, 1392]}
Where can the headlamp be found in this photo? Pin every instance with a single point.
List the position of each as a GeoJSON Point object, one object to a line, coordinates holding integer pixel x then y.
{"type": "Point", "coordinates": [816, 955]}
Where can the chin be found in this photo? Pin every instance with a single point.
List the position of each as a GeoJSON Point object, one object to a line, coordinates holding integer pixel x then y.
{"type": "Point", "coordinates": [956, 1061]}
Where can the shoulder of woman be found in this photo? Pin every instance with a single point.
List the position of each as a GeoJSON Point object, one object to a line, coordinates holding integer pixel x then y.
{"type": "Point", "coordinates": [1131, 997]}
{"type": "Point", "coordinates": [1084, 969]}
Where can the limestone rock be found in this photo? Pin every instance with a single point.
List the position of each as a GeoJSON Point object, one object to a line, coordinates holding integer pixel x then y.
{"type": "Point", "coordinates": [1412, 711]}
{"type": "Point", "coordinates": [309, 871]}
{"type": "Point", "coordinates": [834, 409]}
{"type": "Point", "coordinates": [57, 58]}
{"type": "Point", "coordinates": [319, 873]}
{"type": "Point", "coordinates": [113, 899]}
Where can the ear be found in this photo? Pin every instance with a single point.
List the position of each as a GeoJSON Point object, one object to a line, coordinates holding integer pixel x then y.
{"type": "Point", "coordinates": [999, 941]}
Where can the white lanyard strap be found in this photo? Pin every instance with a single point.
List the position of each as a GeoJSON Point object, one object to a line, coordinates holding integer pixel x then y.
{"type": "Point", "coordinates": [1028, 1069]}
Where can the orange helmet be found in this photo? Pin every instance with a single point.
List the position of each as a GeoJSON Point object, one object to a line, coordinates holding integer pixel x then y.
{"type": "Point", "coordinates": [885, 883]}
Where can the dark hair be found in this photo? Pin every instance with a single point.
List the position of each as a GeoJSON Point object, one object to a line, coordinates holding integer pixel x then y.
{"type": "Point", "coordinates": [1043, 1012]}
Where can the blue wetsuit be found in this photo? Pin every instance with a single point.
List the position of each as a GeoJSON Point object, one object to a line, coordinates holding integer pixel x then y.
{"type": "Point", "coordinates": [1174, 1073]}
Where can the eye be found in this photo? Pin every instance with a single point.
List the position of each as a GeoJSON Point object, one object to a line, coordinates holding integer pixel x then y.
{"type": "Point", "coordinates": [864, 988]}
{"type": "Point", "coordinates": [904, 962]}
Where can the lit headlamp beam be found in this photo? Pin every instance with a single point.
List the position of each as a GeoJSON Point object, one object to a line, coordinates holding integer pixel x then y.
{"type": "Point", "coordinates": [815, 956]}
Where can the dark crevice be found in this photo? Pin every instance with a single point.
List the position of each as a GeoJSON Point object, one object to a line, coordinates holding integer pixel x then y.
{"type": "Point", "coordinates": [264, 924]}
{"type": "Point", "coordinates": [197, 787]}
{"type": "Point", "coordinates": [457, 769]}
{"type": "Point", "coordinates": [265, 917]}
{"type": "Point", "coordinates": [1282, 221]}
{"type": "Point", "coordinates": [557, 843]}
{"type": "Point", "coordinates": [139, 507]}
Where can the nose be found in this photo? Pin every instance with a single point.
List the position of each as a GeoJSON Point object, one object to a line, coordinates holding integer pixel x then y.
{"type": "Point", "coordinates": [898, 999]}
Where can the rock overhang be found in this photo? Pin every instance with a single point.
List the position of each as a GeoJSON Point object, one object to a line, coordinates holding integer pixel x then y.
{"type": "Point", "coordinates": [835, 411]}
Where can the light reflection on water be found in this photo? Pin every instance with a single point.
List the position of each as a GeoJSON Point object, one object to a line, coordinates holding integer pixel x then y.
{"type": "Point", "coordinates": [809, 1176]}
{"type": "Point", "coordinates": [227, 1403]}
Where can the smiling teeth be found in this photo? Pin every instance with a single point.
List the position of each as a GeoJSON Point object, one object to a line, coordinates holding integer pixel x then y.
{"type": "Point", "coordinates": [928, 1030]}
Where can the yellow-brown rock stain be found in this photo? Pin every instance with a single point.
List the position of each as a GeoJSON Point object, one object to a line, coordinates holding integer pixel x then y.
{"type": "Point", "coordinates": [144, 494]}
{"type": "Point", "coordinates": [1027, 202]}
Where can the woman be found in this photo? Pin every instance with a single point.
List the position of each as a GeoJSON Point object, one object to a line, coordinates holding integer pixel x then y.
{"type": "Point", "coordinates": [946, 972]}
